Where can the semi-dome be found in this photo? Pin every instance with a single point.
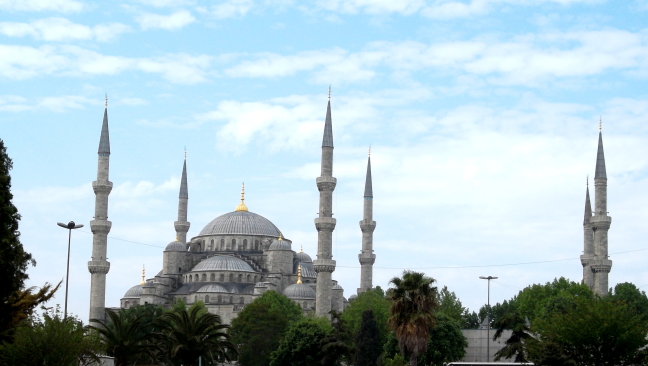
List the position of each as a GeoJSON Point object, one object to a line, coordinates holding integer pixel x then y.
{"type": "Point", "coordinates": [134, 292]}
{"type": "Point", "coordinates": [337, 287]}
{"type": "Point", "coordinates": [280, 244]}
{"type": "Point", "coordinates": [304, 258]}
{"type": "Point", "coordinates": [240, 223]}
{"type": "Point", "coordinates": [223, 263]}
{"type": "Point", "coordinates": [213, 287]}
{"type": "Point", "coordinates": [299, 291]}
{"type": "Point", "coordinates": [175, 246]}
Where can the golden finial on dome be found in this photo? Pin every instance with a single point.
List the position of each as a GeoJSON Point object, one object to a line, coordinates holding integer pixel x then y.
{"type": "Point", "coordinates": [242, 206]}
{"type": "Point", "coordinates": [143, 275]}
{"type": "Point", "coordinates": [301, 248]}
{"type": "Point", "coordinates": [280, 237]}
{"type": "Point", "coordinates": [299, 282]}
{"type": "Point", "coordinates": [176, 237]}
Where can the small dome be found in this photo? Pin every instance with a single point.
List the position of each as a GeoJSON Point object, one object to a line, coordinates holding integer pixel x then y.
{"type": "Point", "coordinates": [304, 258]}
{"type": "Point", "coordinates": [260, 285]}
{"type": "Point", "coordinates": [352, 297]}
{"type": "Point", "coordinates": [337, 287]}
{"type": "Point", "coordinates": [280, 244]}
{"type": "Point", "coordinates": [212, 288]}
{"type": "Point", "coordinates": [175, 246]}
{"type": "Point", "coordinates": [299, 291]}
{"type": "Point", "coordinates": [223, 263]}
{"type": "Point", "coordinates": [134, 292]}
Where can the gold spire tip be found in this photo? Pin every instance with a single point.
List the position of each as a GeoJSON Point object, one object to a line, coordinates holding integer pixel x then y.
{"type": "Point", "coordinates": [299, 281]}
{"type": "Point", "coordinates": [280, 237]}
{"type": "Point", "coordinates": [176, 237]}
{"type": "Point", "coordinates": [242, 206]}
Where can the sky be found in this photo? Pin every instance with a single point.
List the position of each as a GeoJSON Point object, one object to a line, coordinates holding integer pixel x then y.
{"type": "Point", "coordinates": [482, 117]}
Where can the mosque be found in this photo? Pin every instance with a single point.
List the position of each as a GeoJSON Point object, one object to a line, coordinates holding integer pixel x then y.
{"type": "Point", "coordinates": [237, 256]}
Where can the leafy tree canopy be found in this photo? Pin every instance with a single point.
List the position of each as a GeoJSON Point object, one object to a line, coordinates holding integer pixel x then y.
{"type": "Point", "coordinates": [259, 327]}
{"type": "Point", "coordinates": [368, 342]}
{"type": "Point", "coordinates": [630, 295]}
{"type": "Point", "coordinates": [301, 346]}
{"type": "Point", "coordinates": [368, 300]}
{"type": "Point", "coordinates": [338, 347]}
{"type": "Point", "coordinates": [446, 342]}
{"type": "Point", "coordinates": [537, 300]}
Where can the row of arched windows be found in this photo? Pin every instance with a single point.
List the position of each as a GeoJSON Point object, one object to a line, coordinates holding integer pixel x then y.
{"type": "Point", "coordinates": [233, 245]}
{"type": "Point", "coordinates": [219, 299]}
{"type": "Point", "coordinates": [221, 278]}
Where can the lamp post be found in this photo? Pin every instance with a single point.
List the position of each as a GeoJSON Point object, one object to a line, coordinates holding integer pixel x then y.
{"type": "Point", "coordinates": [70, 226]}
{"type": "Point", "coordinates": [489, 278]}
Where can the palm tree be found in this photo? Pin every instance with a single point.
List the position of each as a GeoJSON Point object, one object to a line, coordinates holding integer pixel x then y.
{"type": "Point", "coordinates": [516, 344]}
{"type": "Point", "coordinates": [413, 303]}
{"type": "Point", "coordinates": [190, 334]}
{"type": "Point", "coordinates": [124, 337]}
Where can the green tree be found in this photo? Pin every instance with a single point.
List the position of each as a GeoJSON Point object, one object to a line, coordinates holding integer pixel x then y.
{"type": "Point", "coordinates": [13, 258]}
{"type": "Point", "coordinates": [51, 340]}
{"type": "Point", "coordinates": [470, 320]}
{"type": "Point", "coordinates": [124, 337]}
{"type": "Point", "coordinates": [446, 343]}
{"type": "Point", "coordinates": [368, 342]}
{"type": "Point", "coordinates": [516, 346]}
{"type": "Point", "coordinates": [368, 300]}
{"type": "Point", "coordinates": [338, 346]}
{"type": "Point", "coordinates": [259, 327]}
{"type": "Point", "coordinates": [301, 346]}
{"type": "Point", "coordinates": [450, 305]}
{"type": "Point", "coordinates": [594, 332]}
{"type": "Point", "coordinates": [535, 301]}
{"type": "Point", "coordinates": [188, 335]}
{"type": "Point", "coordinates": [630, 295]}
{"type": "Point", "coordinates": [413, 303]}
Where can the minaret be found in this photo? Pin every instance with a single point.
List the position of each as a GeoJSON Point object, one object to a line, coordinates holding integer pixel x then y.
{"type": "Point", "coordinates": [100, 226]}
{"type": "Point", "coordinates": [182, 225]}
{"type": "Point", "coordinates": [367, 225]}
{"type": "Point", "coordinates": [588, 242]}
{"type": "Point", "coordinates": [324, 265]}
{"type": "Point", "coordinates": [600, 224]}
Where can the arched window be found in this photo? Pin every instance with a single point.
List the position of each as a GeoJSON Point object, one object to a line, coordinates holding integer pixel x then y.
{"type": "Point", "coordinates": [220, 299]}
{"type": "Point", "coordinates": [248, 278]}
{"type": "Point", "coordinates": [204, 277]}
{"type": "Point", "coordinates": [222, 244]}
{"type": "Point", "coordinates": [211, 245]}
{"type": "Point", "coordinates": [222, 278]}
{"type": "Point", "coordinates": [231, 299]}
{"type": "Point", "coordinates": [304, 305]}
{"type": "Point", "coordinates": [190, 278]}
{"type": "Point", "coordinates": [233, 244]}
{"type": "Point", "coordinates": [212, 277]}
{"type": "Point", "coordinates": [231, 277]}
{"type": "Point", "coordinates": [196, 279]}
{"type": "Point", "coordinates": [206, 299]}
{"type": "Point", "coordinates": [195, 298]}
{"type": "Point", "coordinates": [256, 245]}
{"type": "Point", "coordinates": [241, 300]}
{"type": "Point", "coordinates": [179, 269]}
{"type": "Point", "coordinates": [184, 299]}
{"type": "Point", "coordinates": [244, 244]}
{"type": "Point", "coordinates": [240, 278]}
{"type": "Point", "coordinates": [255, 279]}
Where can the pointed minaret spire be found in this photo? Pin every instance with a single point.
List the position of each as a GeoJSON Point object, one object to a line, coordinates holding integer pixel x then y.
{"type": "Point", "coordinates": [600, 159]}
{"type": "Point", "coordinates": [587, 258]}
{"type": "Point", "coordinates": [324, 265]}
{"type": "Point", "coordinates": [98, 266]}
{"type": "Point", "coordinates": [182, 225]}
{"type": "Point", "coordinates": [143, 275]}
{"type": "Point", "coordinates": [367, 226]}
{"type": "Point", "coordinates": [588, 204]}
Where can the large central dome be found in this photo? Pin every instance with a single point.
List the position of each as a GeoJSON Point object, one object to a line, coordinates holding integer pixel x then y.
{"type": "Point", "coordinates": [240, 223]}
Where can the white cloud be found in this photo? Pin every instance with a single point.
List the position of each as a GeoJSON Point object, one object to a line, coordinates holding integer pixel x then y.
{"type": "Point", "coordinates": [174, 21]}
{"type": "Point", "coordinates": [63, 6]}
{"type": "Point", "coordinates": [61, 29]}
{"type": "Point", "coordinates": [167, 3]}
{"type": "Point", "coordinates": [231, 8]}
{"type": "Point", "coordinates": [405, 7]}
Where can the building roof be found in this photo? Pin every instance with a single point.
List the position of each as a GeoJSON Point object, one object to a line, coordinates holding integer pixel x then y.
{"type": "Point", "coordinates": [240, 223]}
{"type": "Point", "coordinates": [280, 244]}
{"type": "Point", "coordinates": [303, 257]}
{"type": "Point", "coordinates": [134, 292]}
{"type": "Point", "coordinates": [223, 263]}
{"type": "Point", "coordinates": [299, 291]}
{"type": "Point", "coordinates": [212, 287]}
{"type": "Point", "coordinates": [175, 246]}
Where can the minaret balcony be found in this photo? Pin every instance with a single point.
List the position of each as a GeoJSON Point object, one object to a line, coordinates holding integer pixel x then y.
{"type": "Point", "coordinates": [181, 226]}
{"type": "Point", "coordinates": [599, 222]}
{"type": "Point", "coordinates": [102, 187]}
{"type": "Point", "coordinates": [324, 265]}
{"type": "Point", "coordinates": [367, 226]}
{"type": "Point", "coordinates": [325, 223]}
{"type": "Point", "coordinates": [599, 265]}
{"type": "Point", "coordinates": [587, 259]}
{"type": "Point", "coordinates": [101, 267]}
{"type": "Point", "coordinates": [100, 226]}
{"type": "Point", "coordinates": [366, 258]}
{"type": "Point", "coordinates": [326, 184]}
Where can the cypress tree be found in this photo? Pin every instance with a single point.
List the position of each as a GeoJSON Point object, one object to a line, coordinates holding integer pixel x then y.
{"type": "Point", "coordinates": [13, 258]}
{"type": "Point", "coordinates": [368, 343]}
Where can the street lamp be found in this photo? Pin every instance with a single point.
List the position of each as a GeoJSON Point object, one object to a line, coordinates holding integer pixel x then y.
{"type": "Point", "coordinates": [70, 226]}
{"type": "Point", "coordinates": [489, 278]}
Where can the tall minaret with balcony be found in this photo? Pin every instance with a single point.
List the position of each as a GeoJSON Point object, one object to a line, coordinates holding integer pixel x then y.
{"type": "Point", "coordinates": [601, 265]}
{"type": "Point", "coordinates": [367, 225]}
{"type": "Point", "coordinates": [324, 265]}
{"type": "Point", "coordinates": [588, 242]}
{"type": "Point", "coordinates": [182, 225]}
{"type": "Point", "coordinates": [100, 226]}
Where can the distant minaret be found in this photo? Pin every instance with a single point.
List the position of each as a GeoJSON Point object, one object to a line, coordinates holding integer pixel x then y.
{"type": "Point", "coordinates": [182, 225]}
{"type": "Point", "coordinates": [367, 225]}
{"type": "Point", "coordinates": [324, 265]}
{"type": "Point", "coordinates": [601, 265]}
{"type": "Point", "coordinates": [588, 242]}
{"type": "Point", "coordinates": [100, 227]}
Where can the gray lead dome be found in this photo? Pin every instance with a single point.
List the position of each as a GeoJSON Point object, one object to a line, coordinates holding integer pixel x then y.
{"type": "Point", "coordinates": [240, 223]}
{"type": "Point", "coordinates": [223, 263]}
{"type": "Point", "coordinates": [299, 291]}
{"type": "Point", "coordinates": [134, 292]}
{"type": "Point", "coordinates": [175, 246]}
